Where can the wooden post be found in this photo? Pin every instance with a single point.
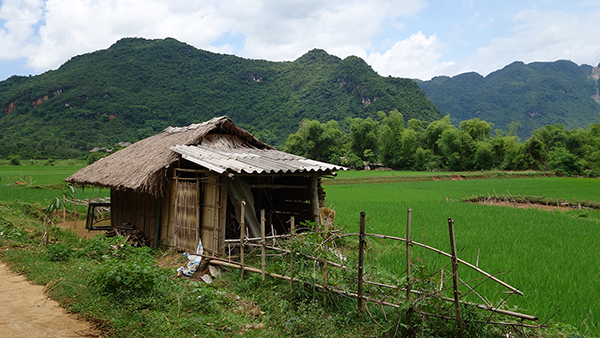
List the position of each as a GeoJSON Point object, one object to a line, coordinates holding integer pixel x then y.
{"type": "Point", "coordinates": [263, 244]}
{"type": "Point", "coordinates": [157, 209]}
{"type": "Point", "coordinates": [361, 249]}
{"type": "Point", "coordinates": [455, 278]}
{"type": "Point", "coordinates": [325, 249]}
{"type": "Point", "coordinates": [408, 244]}
{"type": "Point", "coordinates": [64, 210]}
{"type": "Point", "coordinates": [292, 251]}
{"type": "Point", "coordinates": [74, 213]}
{"type": "Point", "coordinates": [242, 227]}
{"type": "Point", "coordinates": [314, 201]}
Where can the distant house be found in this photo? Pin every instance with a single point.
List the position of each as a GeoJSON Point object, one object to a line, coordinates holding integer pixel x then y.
{"type": "Point", "coordinates": [187, 183]}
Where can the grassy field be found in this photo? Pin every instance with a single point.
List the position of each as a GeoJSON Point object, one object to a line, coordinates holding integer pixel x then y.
{"type": "Point", "coordinates": [43, 183]}
{"type": "Point", "coordinates": [552, 256]}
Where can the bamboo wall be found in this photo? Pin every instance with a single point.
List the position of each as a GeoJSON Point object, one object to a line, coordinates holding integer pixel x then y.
{"type": "Point", "coordinates": [134, 208]}
{"type": "Point", "coordinates": [281, 195]}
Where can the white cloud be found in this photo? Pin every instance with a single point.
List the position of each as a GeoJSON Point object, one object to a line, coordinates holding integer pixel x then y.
{"type": "Point", "coordinates": [415, 57]}
{"type": "Point", "coordinates": [544, 36]}
{"type": "Point", "coordinates": [271, 29]}
{"type": "Point", "coordinates": [278, 30]}
{"type": "Point", "coordinates": [16, 35]}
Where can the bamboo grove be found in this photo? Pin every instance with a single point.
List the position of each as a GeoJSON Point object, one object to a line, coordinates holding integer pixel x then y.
{"type": "Point", "coordinates": [439, 145]}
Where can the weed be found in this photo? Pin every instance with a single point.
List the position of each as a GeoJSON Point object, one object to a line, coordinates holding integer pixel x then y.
{"type": "Point", "coordinates": [59, 252]}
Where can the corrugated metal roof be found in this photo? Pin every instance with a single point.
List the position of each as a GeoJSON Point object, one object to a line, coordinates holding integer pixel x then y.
{"type": "Point", "coordinates": [251, 160]}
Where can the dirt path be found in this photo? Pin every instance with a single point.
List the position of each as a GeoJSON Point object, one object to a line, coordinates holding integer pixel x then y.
{"type": "Point", "coordinates": [25, 311]}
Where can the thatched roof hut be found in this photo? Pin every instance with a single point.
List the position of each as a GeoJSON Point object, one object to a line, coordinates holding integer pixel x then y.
{"type": "Point", "coordinates": [187, 183]}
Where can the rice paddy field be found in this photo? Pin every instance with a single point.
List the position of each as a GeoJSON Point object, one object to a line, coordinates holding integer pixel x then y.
{"type": "Point", "coordinates": [553, 257]}
{"type": "Point", "coordinates": [40, 183]}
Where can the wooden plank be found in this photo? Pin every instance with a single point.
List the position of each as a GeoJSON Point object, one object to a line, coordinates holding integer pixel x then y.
{"type": "Point", "coordinates": [210, 214]}
{"type": "Point", "coordinates": [222, 216]}
{"type": "Point", "coordinates": [314, 202]}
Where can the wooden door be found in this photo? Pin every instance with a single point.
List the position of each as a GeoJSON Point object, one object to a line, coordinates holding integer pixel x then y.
{"type": "Point", "coordinates": [187, 216]}
{"type": "Point", "coordinates": [213, 214]}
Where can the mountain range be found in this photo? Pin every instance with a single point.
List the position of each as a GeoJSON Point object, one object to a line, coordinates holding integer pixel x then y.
{"type": "Point", "coordinates": [534, 95]}
{"type": "Point", "coordinates": [137, 87]}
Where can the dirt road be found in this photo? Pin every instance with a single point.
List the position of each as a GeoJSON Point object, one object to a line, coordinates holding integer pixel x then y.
{"type": "Point", "coordinates": [25, 311]}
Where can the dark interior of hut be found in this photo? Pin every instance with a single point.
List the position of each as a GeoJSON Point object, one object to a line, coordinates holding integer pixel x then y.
{"type": "Point", "coordinates": [281, 197]}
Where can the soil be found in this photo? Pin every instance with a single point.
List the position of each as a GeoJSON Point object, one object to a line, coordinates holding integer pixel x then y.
{"type": "Point", "coordinates": [26, 311]}
{"type": "Point", "coordinates": [524, 205]}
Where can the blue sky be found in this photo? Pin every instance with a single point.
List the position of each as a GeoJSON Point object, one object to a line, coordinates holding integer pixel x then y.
{"type": "Point", "coordinates": [403, 38]}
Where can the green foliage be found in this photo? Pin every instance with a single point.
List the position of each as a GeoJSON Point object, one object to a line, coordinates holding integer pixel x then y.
{"type": "Point", "coordinates": [364, 135]}
{"type": "Point", "coordinates": [59, 252]}
{"type": "Point", "coordinates": [316, 140]}
{"type": "Point", "coordinates": [138, 87]}
{"type": "Point", "coordinates": [564, 161]}
{"type": "Point", "coordinates": [95, 156]}
{"type": "Point", "coordinates": [9, 233]}
{"type": "Point", "coordinates": [440, 145]}
{"type": "Point", "coordinates": [15, 160]}
{"type": "Point", "coordinates": [124, 270]}
{"type": "Point", "coordinates": [522, 97]}
{"type": "Point", "coordinates": [131, 277]}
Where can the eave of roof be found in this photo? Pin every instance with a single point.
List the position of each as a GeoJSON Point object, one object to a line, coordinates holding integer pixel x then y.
{"type": "Point", "coordinates": [251, 160]}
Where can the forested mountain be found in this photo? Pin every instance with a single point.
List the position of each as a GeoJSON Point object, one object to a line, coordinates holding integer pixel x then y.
{"type": "Point", "coordinates": [534, 95]}
{"type": "Point", "coordinates": [137, 87]}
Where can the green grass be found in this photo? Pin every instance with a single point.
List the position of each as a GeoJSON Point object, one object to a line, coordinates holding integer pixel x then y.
{"type": "Point", "coordinates": [363, 173]}
{"type": "Point", "coordinates": [553, 255]}
{"type": "Point", "coordinates": [44, 183]}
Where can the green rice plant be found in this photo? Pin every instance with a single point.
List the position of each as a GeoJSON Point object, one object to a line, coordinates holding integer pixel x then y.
{"type": "Point", "coordinates": [550, 255]}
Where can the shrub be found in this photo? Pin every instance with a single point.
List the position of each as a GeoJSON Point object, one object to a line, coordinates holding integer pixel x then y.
{"type": "Point", "coordinates": [11, 233]}
{"type": "Point", "coordinates": [59, 252]}
{"type": "Point", "coordinates": [15, 160]}
{"type": "Point", "coordinates": [132, 276]}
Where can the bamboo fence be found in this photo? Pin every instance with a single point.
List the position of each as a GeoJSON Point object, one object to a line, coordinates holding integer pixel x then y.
{"type": "Point", "coordinates": [410, 293]}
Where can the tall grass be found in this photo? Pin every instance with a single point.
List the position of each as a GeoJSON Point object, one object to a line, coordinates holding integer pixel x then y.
{"type": "Point", "coordinates": [553, 257]}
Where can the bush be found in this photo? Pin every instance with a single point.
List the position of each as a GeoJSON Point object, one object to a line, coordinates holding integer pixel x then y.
{"type": "Point", "coordinates": [11, 233]}
{"type": "Point", "coordinates": [15, 160]}
{"type": "Point", "coordinates": [59, 252]}
{"type": "Point", "coordinates": [133, 276]}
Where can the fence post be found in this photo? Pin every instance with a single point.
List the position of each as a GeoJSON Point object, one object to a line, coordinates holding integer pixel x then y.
{"type": "Point", "coordinates": [325, 249]}
{"type": "Point", "coordinates": [361, 249]}
{"type": "Point", "coordinates": [242, 228]}
{"type": "Point", "coordinates": [74, 212]}
{"type": "Point", "coordinates": [263, 243]}
{"type": "Point", "coordinates": [293, 233]}
{"type": "Point", "coordinates": [408, 244]}
{"type": "Point", "coordinates": [455, 278]}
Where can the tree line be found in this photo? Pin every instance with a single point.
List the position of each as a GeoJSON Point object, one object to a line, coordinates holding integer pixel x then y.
{"type": "Point", "coordinates": [440, 145]}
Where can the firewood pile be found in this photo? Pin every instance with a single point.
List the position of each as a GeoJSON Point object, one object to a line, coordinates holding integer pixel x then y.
{"type": "Point", "coordinates": [134, 236]}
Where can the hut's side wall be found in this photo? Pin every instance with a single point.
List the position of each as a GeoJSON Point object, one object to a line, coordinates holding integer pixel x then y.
{"type": "Point", "coordinates": [134, 208]}
{"type": "Point", "coordinates": [168, 213]}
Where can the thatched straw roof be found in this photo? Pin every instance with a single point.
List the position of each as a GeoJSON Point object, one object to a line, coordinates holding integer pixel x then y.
{"type": "Point", "coordinates": [142, 166]}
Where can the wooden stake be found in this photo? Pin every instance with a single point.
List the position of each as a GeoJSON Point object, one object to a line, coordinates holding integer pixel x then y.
{"type": "Point", "coordinates": [64, 210]}
{"type": "Point", "coordinates": [75, 213]}
{"type": "Point", "coordinates": [325, 249]}
{"type": "Point", "coordinates": [455, 278]}
{"type": "Point", "coordinates": [408, 244]}
{"type": "Point", "coordinates": [242, 227]}
{"type": "Point", "coordinates": [292, 232]}
{"type": "Point", "coordinates": [361, 249]}
{"type": "Point", "coordinates": [263, 243]}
